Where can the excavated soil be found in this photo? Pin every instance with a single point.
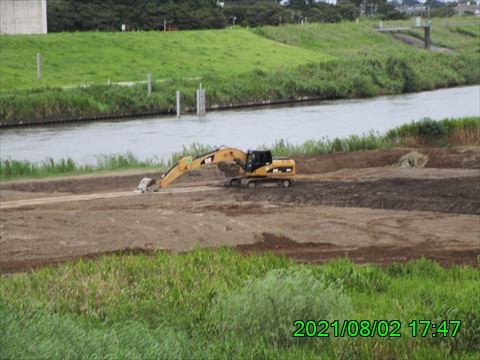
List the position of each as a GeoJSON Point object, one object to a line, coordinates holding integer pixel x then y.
{"type": "Point", "coordinates": [356, 205]}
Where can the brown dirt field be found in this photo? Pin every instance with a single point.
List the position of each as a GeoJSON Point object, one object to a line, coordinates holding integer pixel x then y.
{"type": "Point", "coordinates": [355, 205]}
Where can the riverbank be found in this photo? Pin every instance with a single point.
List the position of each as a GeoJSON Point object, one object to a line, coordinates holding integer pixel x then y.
{"type": "Point", "coordinates": [269, 65]}
{"type": "Point", "coordinates": [420, 134]}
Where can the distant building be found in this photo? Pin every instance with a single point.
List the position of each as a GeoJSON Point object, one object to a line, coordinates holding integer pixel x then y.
{"type": "Point", "coordinates": [467, 8]}
{"type": "Point", "coordinates": [412, 10]}
{"type": "Point", "coordinates": [23, 17]}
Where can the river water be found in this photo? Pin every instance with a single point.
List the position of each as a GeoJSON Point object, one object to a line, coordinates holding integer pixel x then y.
{"type": "Point", "coordinates": [158, 138]}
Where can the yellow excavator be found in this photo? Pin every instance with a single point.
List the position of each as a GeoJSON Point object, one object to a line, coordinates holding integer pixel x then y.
{"type": "Point", "coordinates": [254, 167]}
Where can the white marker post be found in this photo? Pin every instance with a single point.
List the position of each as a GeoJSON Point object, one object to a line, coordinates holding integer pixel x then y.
{"type": "Point", "coordinates": [178, 104]}
{"type": "Point", "coordinates": [39, 65]}
{"type": "Point", "coordinates": [149, 84]}
{"type": "Point", "coordinates": [201, 109]}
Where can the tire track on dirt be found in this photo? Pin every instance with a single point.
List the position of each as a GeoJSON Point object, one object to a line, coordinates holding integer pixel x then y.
{"type": "Point", "coordinates": [15, 204]}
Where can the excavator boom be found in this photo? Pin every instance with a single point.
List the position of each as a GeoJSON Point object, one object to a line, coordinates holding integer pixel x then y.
{"type": "Point", "coordinates": [189, 163]}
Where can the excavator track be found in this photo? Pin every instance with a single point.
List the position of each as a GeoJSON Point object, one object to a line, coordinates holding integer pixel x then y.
{"type": "Point", "coordinates": [258, 182]}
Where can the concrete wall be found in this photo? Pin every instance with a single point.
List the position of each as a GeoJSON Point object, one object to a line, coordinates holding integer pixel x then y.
{"type": "Point", "coordinates": [23, 17]}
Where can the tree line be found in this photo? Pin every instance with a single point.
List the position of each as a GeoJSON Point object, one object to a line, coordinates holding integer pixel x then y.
{"type": "Point", "coordinates": [110, 15]}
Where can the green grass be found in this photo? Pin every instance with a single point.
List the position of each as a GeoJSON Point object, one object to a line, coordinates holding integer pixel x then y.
{"type": "Point", "coordinates": [341, 40]}
{"type": "Point", "coordinates": [93, 57]}
{"type": "Point", "coordinates": [240, 66]}
{"type": "Point", "coordinates": [461, 35]}
{"type": "Point", "coordinates": [220, 304]}
{"type": "Point", "coordinates": [17, 169]}
{"type": "Point", "coordinates": [425, 132]}
{"type": "Point", "coordinates": [75, 59]}
{"type": "Point", "coordinates": [349, 39]}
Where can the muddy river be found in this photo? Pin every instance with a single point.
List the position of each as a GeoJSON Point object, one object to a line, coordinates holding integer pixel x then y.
{"type": "Point", "coordinates": [159, 137]}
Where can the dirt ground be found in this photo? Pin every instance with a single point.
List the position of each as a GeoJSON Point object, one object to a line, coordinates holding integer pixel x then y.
{"type": "Point", "coordinates": [356, 205]}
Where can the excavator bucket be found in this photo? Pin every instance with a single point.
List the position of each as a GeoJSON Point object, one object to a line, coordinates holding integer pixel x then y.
{"type": "Point", "coordinates": [147, 185]}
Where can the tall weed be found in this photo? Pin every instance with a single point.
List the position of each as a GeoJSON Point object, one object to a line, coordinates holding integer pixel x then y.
{"type": "Point", "coordinates": [265, 309]}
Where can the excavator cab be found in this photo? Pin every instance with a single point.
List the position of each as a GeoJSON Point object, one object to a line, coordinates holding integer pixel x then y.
{"type": "Point", "coordinates": [257, 158]}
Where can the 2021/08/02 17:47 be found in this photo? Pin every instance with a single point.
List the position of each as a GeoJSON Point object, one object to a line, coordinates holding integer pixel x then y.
{"type": "Point", "coordinates": [367, 328]}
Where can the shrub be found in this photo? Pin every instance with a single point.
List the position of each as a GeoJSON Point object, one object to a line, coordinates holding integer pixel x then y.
{"type": "Point", "coordinates": [429, 129]}
{"type": "Point", "coordinates": [266, 308]}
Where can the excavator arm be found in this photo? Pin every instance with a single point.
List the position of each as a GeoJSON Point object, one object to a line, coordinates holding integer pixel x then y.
{"type": "Point", "coordinates": [189, 163]}
{"type": "Point", "coordinates": [213, 157]}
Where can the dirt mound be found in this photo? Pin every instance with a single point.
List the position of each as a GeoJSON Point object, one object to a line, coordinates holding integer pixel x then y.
{"type": "Point", "coordinates": [380, 255]}
{"type": "Point", "coordinates": [413, 160]}
{"type": "Point", "coordinates": [35, 263]}
{"type": "Point", "coordinates": [471, 162]}
{"type": "Point", "coordinates": [229, 169]}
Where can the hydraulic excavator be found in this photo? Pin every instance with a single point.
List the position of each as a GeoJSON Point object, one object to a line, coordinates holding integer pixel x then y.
{"type": "Point", "coordinates": [255, 167]}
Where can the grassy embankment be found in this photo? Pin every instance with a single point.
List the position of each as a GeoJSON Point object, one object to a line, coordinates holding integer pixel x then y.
{"type": "Point", "coordinates": [426, 132]}
{"type": "Point", "coordinates": [220, 304]}
{"type": "Point", "coordinates": [240, 66]}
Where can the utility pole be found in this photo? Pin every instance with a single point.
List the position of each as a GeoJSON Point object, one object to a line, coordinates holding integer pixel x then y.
{"type": "Point", "coordinates": [427, 36]}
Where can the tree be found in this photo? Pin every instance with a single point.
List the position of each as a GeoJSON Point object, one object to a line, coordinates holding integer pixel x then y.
{"type": "Point", "coordinates": [258, 14]}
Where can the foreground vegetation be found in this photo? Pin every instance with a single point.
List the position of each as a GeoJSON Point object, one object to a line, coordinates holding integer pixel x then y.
{"type": "Point", "coordinates": [239, 66]}
{"type": "Point", "coordinates": [220, 304]}
{"type": "Point", "coordinates": [425, 132]}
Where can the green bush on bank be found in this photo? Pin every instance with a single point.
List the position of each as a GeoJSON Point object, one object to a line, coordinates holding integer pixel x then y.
{"type": "Point", "coordinates": [429, 132]}
{"type": "Point", "coordinates": [446, 132]}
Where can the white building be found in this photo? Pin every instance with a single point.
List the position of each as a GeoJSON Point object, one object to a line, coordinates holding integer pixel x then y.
{"type": "Point", "coordinates": [23, 17]}
{"type": "Point", "coordinates": [468, 8]}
